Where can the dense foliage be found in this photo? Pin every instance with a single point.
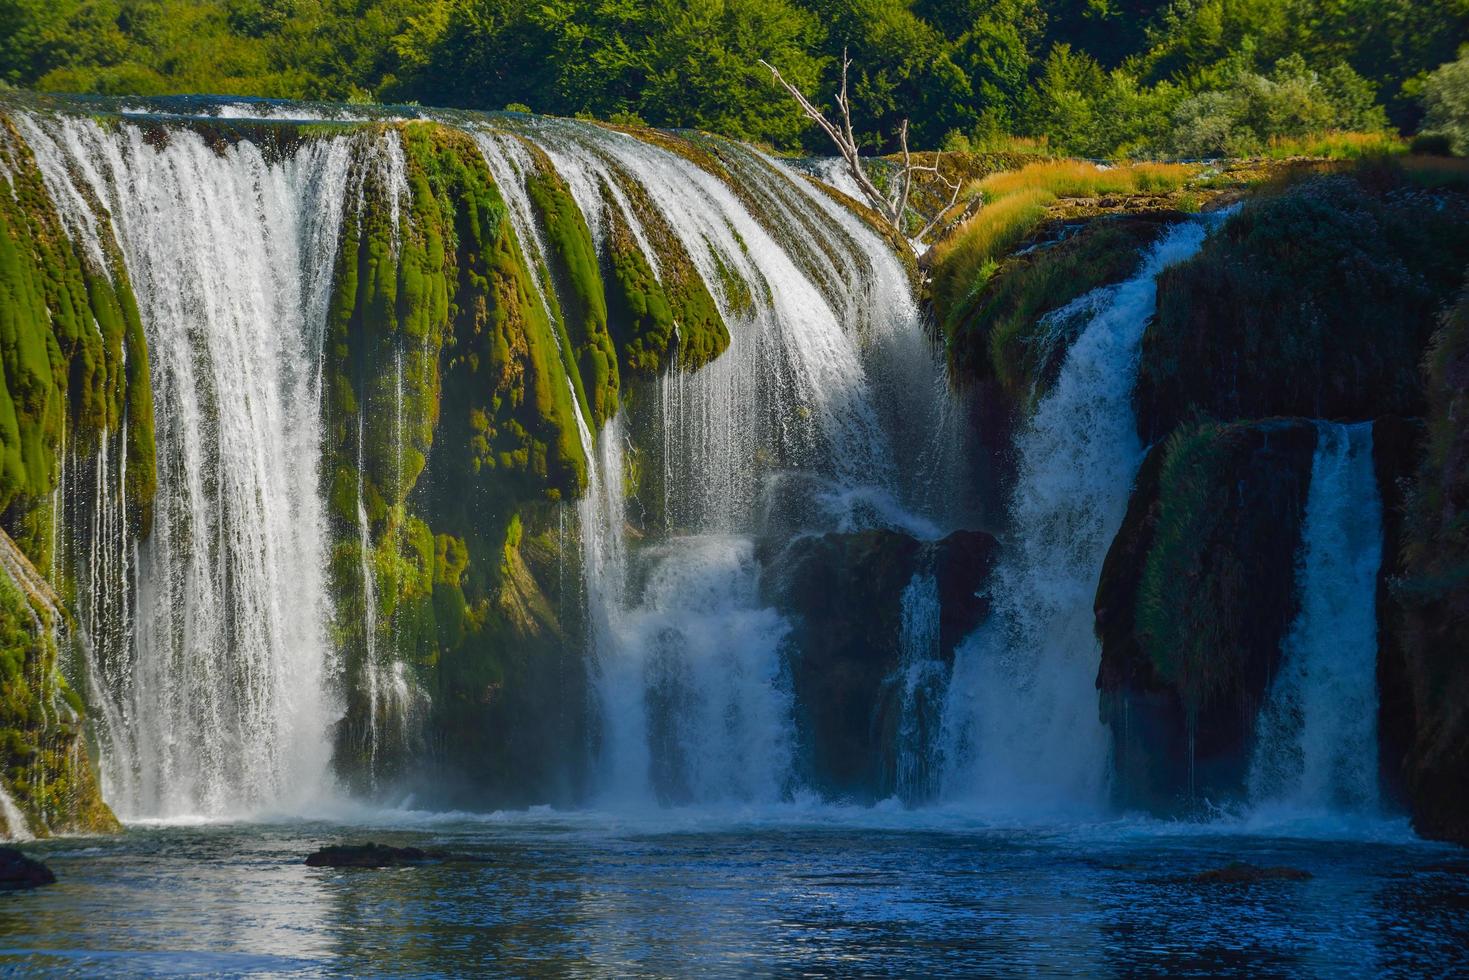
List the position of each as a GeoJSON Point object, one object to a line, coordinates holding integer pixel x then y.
{"type": "Point", "coordinates": [1091, 77]}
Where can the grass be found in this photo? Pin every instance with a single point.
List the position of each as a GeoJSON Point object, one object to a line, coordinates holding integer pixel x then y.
{"type": "Point", "coordinates": [1078, 178]}
{"type": "Point", "coordinates": [1015, 203]}
{"type": "Point", "coordinates": [1336, 146]}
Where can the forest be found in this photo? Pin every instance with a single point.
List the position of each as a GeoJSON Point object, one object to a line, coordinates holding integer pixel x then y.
{"type": "Point", "coordinates": [1095, 78]}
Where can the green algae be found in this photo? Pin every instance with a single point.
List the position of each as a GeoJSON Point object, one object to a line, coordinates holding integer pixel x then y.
{"type": "Point", "coordinates": [73, 361]}
{"type": "Point", "coordinates": [657, 319]}
{"type": "Point", "coordinates": [43, 752]}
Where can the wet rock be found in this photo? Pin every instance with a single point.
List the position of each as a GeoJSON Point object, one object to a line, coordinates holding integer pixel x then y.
{"type": "Point", "coordinates": [1240, 873]}
{"type": "Point", "coordinates": [1430, 621]}
{"type": "Point", "coordinates": [18, 872]}
{"type": "Point", "coordinates": [843, 594]}
{"type": "Point", "coordinates": [1197, 590]}
{"type": "Point", "coordinates": [371, 855]}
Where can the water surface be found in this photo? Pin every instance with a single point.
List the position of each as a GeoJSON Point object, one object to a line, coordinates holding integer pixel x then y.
{"type": "Point", "coordinates": [773, 892]}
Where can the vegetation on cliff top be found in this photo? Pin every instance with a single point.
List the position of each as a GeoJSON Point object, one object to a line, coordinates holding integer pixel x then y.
{"type": "Point", "coordinates": [1015, 204]}
{"type": "Point", "coordinates": [1316, 300]}
{"type": "Point", "coordinates": [1196, 77]}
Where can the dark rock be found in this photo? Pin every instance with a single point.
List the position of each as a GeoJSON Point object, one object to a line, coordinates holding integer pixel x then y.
{"type": "Point", "coordinates": [18, 872]}
{"type": "Point", "coordinates": [843, 593]}
{"type": "Point", "coordinates": [371, 855]}
{"type": "Point", "coordinates": [1432, 596]}
{"type": "Point", "coordinates": [1317, 301]}
{"type": "Point", "coordinates": [1239, 873]}
{"type": "Point", "coordinates": [1195, 595]}
{"type": "Point", "coordinates": [1397, 445]}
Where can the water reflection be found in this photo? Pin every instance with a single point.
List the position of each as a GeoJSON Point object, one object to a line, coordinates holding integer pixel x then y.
{"type": "Point", "coordinates": [593, 896]}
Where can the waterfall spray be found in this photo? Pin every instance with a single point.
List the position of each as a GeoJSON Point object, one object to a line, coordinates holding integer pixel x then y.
{"type": "Point", "coordinates": [1316, 743]}
{"type": "Point", "coordinates": [1020, 724]}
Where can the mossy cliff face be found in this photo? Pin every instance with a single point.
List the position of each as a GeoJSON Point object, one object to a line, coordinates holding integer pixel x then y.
{"type": "Point", "coordinates": [451, 410]}
{"type": "Point", "coordinates": [1432, 596]}
{"type": "Point", "coordinates": [458, 376]}
{"type": "Point", "coordinates": [73, 362]}
{"type": "Point", "coordinates": [45, 768]}
{"type": "Point", "coordinates": [1316, 300]}
{"type": "Point", "coordinates": [73, 373]}
{"type": "Point", "coordinates": [1195, 595]}
{"type": "Point", "coordinates": [843, 594]}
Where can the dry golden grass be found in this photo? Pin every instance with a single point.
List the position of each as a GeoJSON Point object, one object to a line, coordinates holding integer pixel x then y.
{"type": "Point", "coordinates": [1337, 146]}
{"type": "Point", "coordinates": [1015, 202]}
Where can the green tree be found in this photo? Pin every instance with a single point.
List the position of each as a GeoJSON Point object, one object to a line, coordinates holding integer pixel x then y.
{"type": "Point", "coordinates": [1446, 103]}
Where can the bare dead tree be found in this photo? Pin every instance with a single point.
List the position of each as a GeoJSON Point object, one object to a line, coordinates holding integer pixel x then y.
{"type": "Point", "coordinates": [892, 206]}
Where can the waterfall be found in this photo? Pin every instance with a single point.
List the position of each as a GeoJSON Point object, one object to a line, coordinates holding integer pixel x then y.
{"type": "Point", "coordinates": [1020, 724]}
{"type": "Point", "coordinates": [1316, 738]}
{"type": "Point", "coordinates": [922, 675]}
{"type": "Point", "coordinates": [688, 669]}
{"type": "Point", "coordinates": [221, 684]}
{"type": "Point", "coordinates": [211, 642]}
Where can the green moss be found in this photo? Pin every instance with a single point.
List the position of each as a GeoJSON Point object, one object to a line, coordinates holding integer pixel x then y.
{"type": "Point", "coordinates": [1217, 589]}
{"type": "Point", "coordinates": [580, 295]}
{"type": "Point", "coordinates": [1316, 300]}
{"type": "Point", "coordinates": [658, 319]}
{"type": "Point", "coordinates": [43, 757]}
{"type": "Point", "coordinates": [73, 363]}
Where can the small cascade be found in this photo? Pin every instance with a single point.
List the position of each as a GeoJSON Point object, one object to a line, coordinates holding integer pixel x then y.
{"type": "Point", "coordinates": [1316, 736]}
{"type": "Point", "coordinates": [371, 668]}
{"type": "Point", "coordinates": [693, 697]}
{"type": "Point", "coordinates": [219, 677]}
{"type": "Point", "coordinates": [16, 828]}
{"type": "Point", "coordinates": [922, 677]}
{"type": "Point", "coordinates": [1020, 724]}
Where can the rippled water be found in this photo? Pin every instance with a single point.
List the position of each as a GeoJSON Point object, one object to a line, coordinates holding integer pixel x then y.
{"type": "Point", "coordinates": [791, 891]}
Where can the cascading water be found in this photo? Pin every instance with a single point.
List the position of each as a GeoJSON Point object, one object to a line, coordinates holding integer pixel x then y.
{"type": "Point", "coordinates": [220, 680]}
{"type": "Point", "coordinates": [211, 639]}
{"type": "Point", "coordinates": [1316, 738]}
{"type": "Point", "coordinates": [922, 675]}
{"type": "Point", "coordinates": [1020, 723]}
{"type": "Point", "coordinates": [693, 702]}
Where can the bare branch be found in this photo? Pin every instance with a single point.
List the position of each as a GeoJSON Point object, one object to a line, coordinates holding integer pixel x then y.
{"type": "Point", "coordinates": [843, 137]}
{"type": "Point", "coordinates": [893, 206]}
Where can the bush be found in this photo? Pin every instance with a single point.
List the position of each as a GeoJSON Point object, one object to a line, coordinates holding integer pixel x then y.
{"type": "Point", "coordinates": [1446, 105]}
{"type": "Point", "coordinates": [1292, 103]}
{"type": "Point", "coordinates": [1431, 145]}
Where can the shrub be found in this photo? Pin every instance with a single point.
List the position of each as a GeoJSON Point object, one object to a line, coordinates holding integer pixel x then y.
{"type": "Point", "coordinates": [1446, 104]}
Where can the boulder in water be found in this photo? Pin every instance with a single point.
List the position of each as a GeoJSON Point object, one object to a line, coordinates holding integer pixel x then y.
{"type": "Point", "coordinates": [1195, 596]}
{"type": "Point", "coordinates": [1240, 873]}
{"type": "Point", "coordinates": [844, 595]}
{"type": "Point", "coordinates": [18, 872]}
{"type": "Point", "coordinates": [371, 855]}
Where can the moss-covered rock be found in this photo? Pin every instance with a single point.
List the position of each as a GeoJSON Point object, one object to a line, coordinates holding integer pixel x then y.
{"type": "Point", "coordinates": [1011, 337]}
{"type": "Point", "coordinates": [73, 361]}
{"type": "Point", "coordinates": [1195, 595]}
{"type": "Point", "coordinates": [1316, 300]}
{"type": "Point", "coordinates": [1432, 596]}
{"type": "Point", "coordinates": [663, 318]}
{"type": "Point", "coordinates": [44, 763]}
{"type": "Point", "coordinates": [843, 593]}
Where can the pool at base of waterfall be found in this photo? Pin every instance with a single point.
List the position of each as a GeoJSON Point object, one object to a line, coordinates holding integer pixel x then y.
{"type": "Point", "coordinates": [786, 890]}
